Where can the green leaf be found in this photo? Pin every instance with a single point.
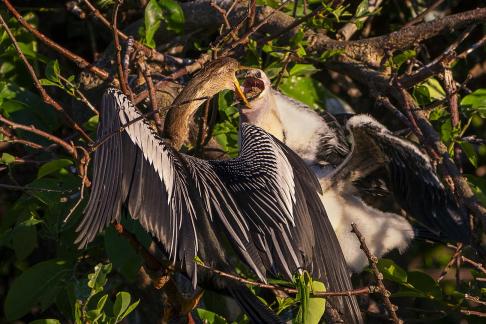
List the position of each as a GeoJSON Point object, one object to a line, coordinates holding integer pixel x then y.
{"type": "Point", "coordinates": [24, 238]}
{"type": "Point", "coordinates": [471, 154]}
{"type": "Point", "coordinates": [362, 9]}
{"type": "Point", "coordinates": [403, 57]}
{"type": "Point", "coordinates": [130, 309]}
{"type": "Point", "coordinates": [122, 302]}
{"type": "Point", "coordinates": [42, 280]}
{"type": "Point", "coordinates": [7, 159]}
{"type": "Point", "coordinates": [152, 19]}
{"type": "Point", "coordinates": [53, 166]}
{"type": "Point", "coordinates": [317, 306]}
{"type": "Point", "coordinates": [478, 185]}
{"type": "Point", "coordinates": [173, 14]}
{"type": "Point", "coordinates": [303, 285]}
{"type": "Point", "coordinates": [47, 82]}
{"type": "Point", "coordinates": [420, 285]}
{"type": "Point", "coordinates": [329, 54]}
{"type": "Point", "coordinates": [46, 321]}
{"type": "Point", "coordinates": [122, 255]}
{"type": "Point", "coordinates": [475, 102]}
{"type": "Point", "coordinates": [392, 271]}
{"type": "Point", "coordinates": [209, 317]}
{"type": "Point", "coordinates": [52, 72]}
{"type": "Point", "coordinates": [101, 302]}
{"type": "Point", "coordinates": [429, 91]}
{"type": "Point", "coordinates": [157, 11]}
{"type": "Point", "coordinates": [97, 279]}
{"type": "Point", "coordinates": [446, 131]}
{"type": "Point", "coordinates": [92, 123]}
{"type": "Point", "coordinates": [303, 69]}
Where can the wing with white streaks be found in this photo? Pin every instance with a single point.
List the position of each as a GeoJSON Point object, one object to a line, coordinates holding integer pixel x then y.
{"type": "Point", "coordinates": [279, 196]}
{"type": "Point", "coordinates": [412, 178]}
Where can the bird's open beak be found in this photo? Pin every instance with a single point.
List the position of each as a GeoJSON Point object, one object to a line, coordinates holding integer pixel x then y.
{"type": "Point", "coordinates": [239, 92]}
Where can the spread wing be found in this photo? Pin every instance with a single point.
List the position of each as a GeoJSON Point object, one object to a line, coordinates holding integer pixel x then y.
{"type": "Point", "coordinates": [411, 178]}
{"type": "Point", "coordinates": [171, 195]}
{"type": "Point", "coordinates": [279, 197]}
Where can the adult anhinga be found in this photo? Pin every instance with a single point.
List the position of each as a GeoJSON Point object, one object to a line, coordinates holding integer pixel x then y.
{"type": "Point", "coordinates": [374, 163]}
{"type": "Point", "coordinates": [265, 202]}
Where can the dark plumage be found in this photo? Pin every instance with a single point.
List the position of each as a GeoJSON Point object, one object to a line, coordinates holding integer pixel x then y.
{"type": "Point", "coordinates": [265, 203]}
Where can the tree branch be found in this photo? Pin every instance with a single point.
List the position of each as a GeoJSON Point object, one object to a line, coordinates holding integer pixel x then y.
{"type": "Point", "coordinates": [45, 96]}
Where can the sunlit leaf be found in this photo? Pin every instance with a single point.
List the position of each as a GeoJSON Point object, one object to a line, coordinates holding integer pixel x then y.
{"type": "Point", "coordinates": [470, 152]}
{"type": "Point", "coordinates": [210, 317]}
{"type": "Point", "coordinates": [475, 102]}
{"type": "Point", "coordinates": [362, 9]}
{"type": "Point", "coordinates": [52, 166]}
{"type": "Point", "coordinates": [392, 271]}
{"type": "Point", "coordinates": [53, 71]}
{"type": "Point", "coordinates": [317, 306]}
{"type": "Point", "coordinates": [7, 159]}
{"type": "Point", "coordinates": [46, 321]}
{"type": "Point", "coordinates": [122, 302]}
{"type": "Point", "coordinates": [97, 279]}
{"type": "Point", "coordinates": [153, 18]}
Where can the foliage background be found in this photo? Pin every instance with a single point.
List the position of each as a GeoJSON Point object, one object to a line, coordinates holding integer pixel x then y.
{"type": "Point", "coordinates": [43, 275]}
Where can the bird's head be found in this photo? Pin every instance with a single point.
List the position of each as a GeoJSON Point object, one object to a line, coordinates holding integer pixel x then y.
{"type": "Point", "coordinates": [219, 75]}
{"type": "Point", "coordinates": [256, 85]}
{"type": "Point", "coordinates": [257, 89]}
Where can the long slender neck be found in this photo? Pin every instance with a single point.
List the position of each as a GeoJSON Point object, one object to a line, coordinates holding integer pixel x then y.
{"type": "Point", "coordinates": [215, 77]}
{"type": "Point", "coordinates": [177, 121]}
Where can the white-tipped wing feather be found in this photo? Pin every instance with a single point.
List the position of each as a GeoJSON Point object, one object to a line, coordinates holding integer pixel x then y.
{"type": "Point", "coordinates": [167, 192]}
{"type": "Point", "coordinates": [411, 178]}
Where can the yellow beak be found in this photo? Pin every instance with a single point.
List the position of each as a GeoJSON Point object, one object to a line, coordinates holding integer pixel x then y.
{"type": "Point", "coordinates": [240, 93]}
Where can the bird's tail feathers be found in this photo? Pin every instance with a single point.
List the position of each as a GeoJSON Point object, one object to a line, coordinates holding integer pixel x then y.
{"type": "Point", "coordinates": [253, 307]}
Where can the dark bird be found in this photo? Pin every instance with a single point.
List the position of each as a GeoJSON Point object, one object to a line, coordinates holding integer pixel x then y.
{"type": "Point", "coordinates": [265, 202]}
{"type": "Point", "coordinates": [361, 175]}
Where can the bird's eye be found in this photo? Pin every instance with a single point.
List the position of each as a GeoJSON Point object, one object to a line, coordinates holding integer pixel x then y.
{"type": "Point", "coordinates": [258, 75]}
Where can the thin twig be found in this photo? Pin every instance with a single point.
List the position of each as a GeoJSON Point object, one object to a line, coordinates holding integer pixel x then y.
{"type": "Point", "coordinates": [293, 25]}
{"type": "Point", "coordinates": [477, 265]}
{"type": "Point", "coordinates": [79, 61]}
{"type": "Point", "coordinates": [81, 96]}
{"type": "Point", "coordinates": [27, 188]}
{"type": "Point", "coordinates": [126, 63]}
{"type": "Point", "coordinates": [449, 264]}
{"type": "Point", "coordinates": [474, 299]}
{"type": "Point", "coordinates": [421, 16]}
{"type": "Point", "coordinates": [473, 313]}
{"type": "Point", "coordinates": [471, 49]}
{"type": "Point", "coordinates": [359, 291]}
{"type": "Point", "coordinates": [348, 30]}
{"type": "Point", "coordinates": [10, 138]}
{"type": "Point", "coordinates": [373, 260]}
{"type": "Point", "coordinates": [452, 98]}
{"type": "Point", "coordinates": [31, 129]}
{"type": "Point", "coordinates": [224, 14]}
{"type": "Point", "coordinates": [198, 64]}
{"type": "Point", "coordinates": [150, 53]}
{"type": "Point", "coordinates": [121, 75]}
{"type": "Point", "coordinates": [245, 37]}
{"type": "Point", "coordinates": [384, 101]}
{"type": "Point", "coordinates": [45, 96]}
{"type": "Point", "coordinates": [101, 141]}
{"type": "Point", "coordinates": [145, 69]}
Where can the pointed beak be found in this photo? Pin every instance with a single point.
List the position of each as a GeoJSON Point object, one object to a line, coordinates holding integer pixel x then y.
{"type": "Point", "coordinates": [240, 93]}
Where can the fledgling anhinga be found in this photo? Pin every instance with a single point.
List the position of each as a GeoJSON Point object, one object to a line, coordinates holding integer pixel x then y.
{"type": "Point", "coordinates": [372, 163]}
{"type": "Point", "coordinates": [265, 202]}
